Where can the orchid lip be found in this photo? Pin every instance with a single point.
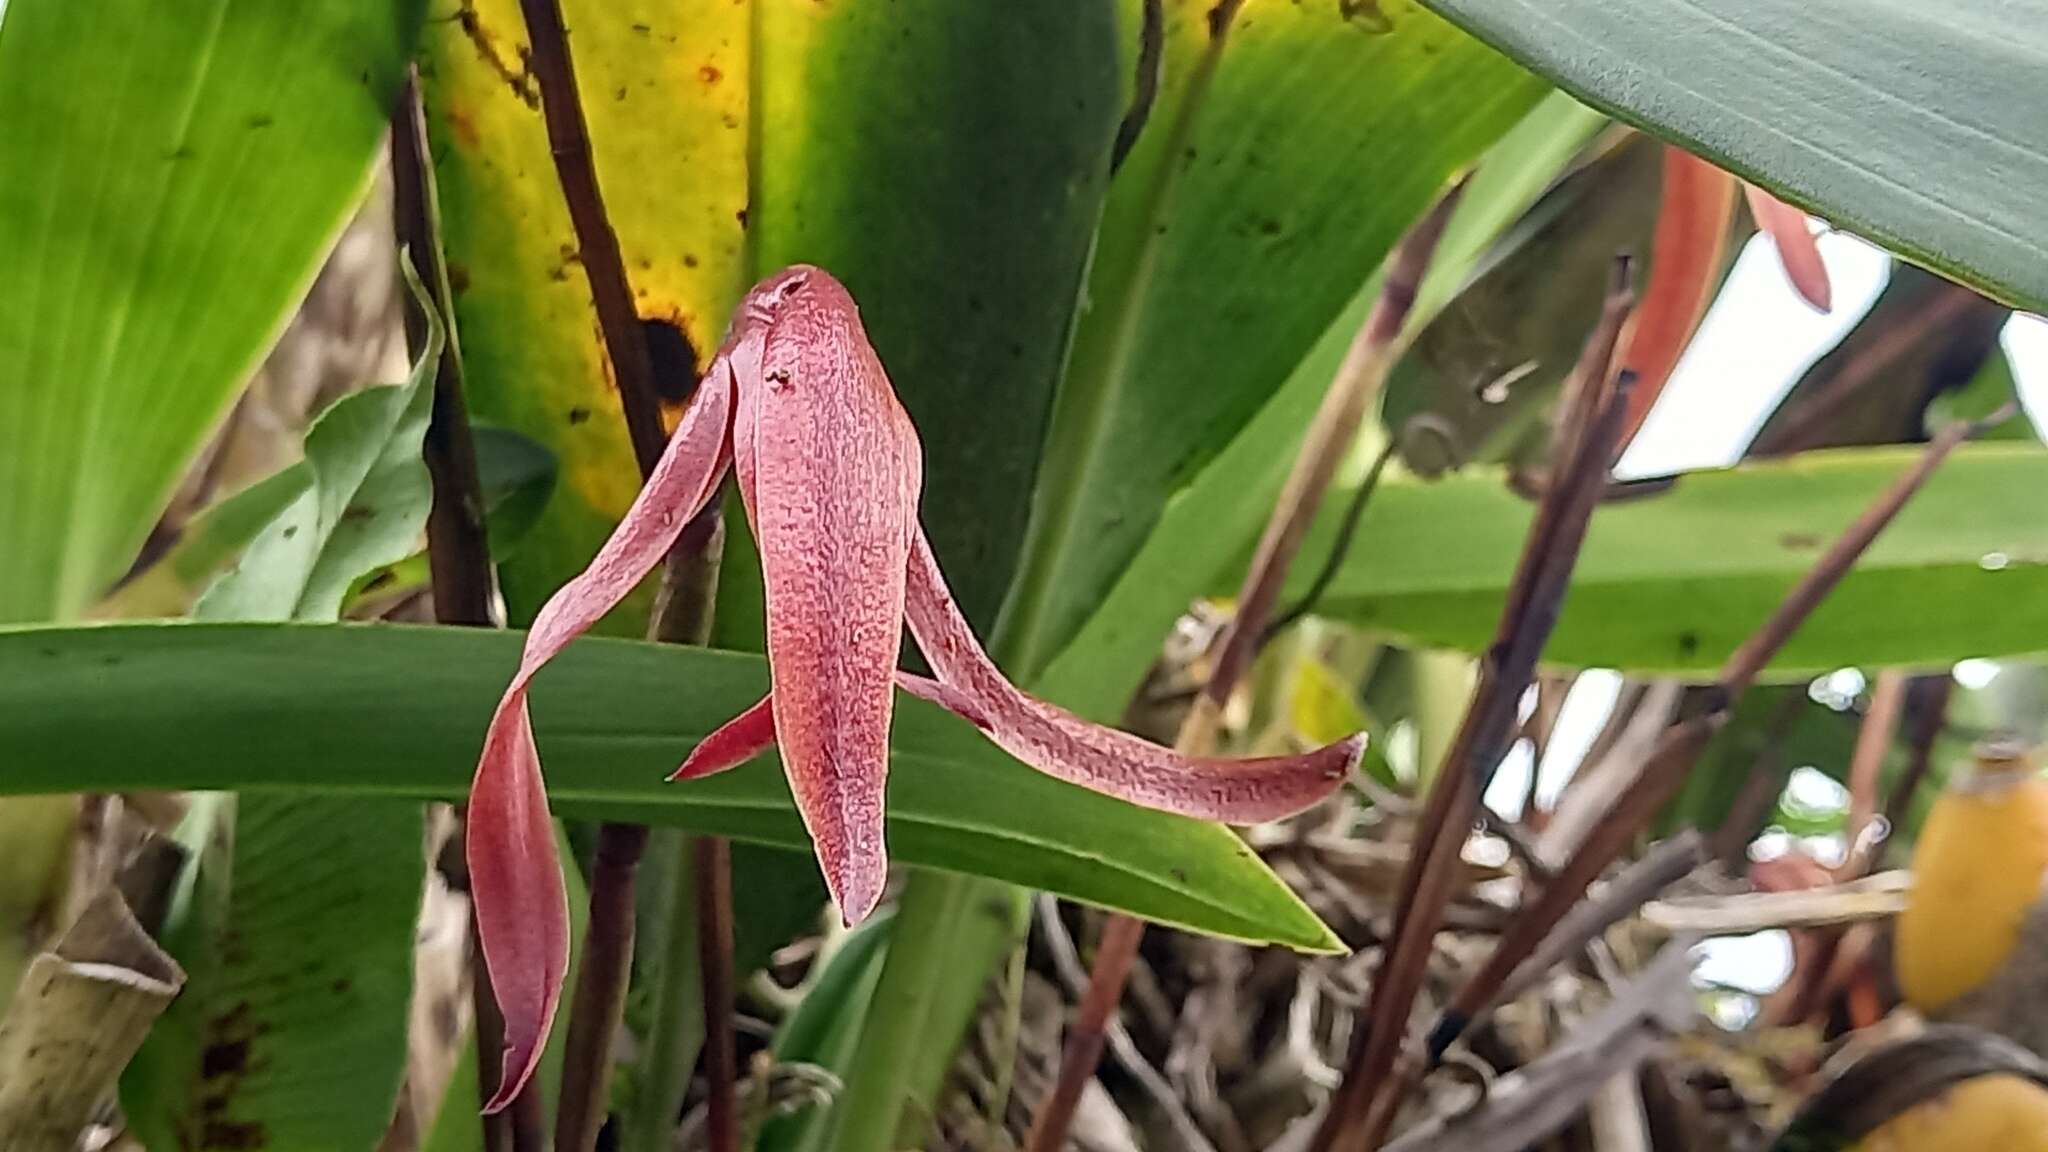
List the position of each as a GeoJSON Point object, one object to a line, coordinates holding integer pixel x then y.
{"type": "Point", "coordinates": [798, 406]}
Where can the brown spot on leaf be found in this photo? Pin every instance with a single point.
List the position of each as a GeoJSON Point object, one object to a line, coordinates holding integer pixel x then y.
{"type": "Point", "coordinates": [710, 75]}
{"type": "Point", "coordinates": [1365, 14]}
{"type": "Point", "coordinates": [520, 80]}
{"type": "Point", "coordinates": [227, 1134]}
{"type": "Point", "coordinates": [458, 277]}
{"type": "Point", "coordinates": [224, 1058]}
{"type": "Point", "coordinates": [1800, 541]}
{"type": "Point", "coordinates": [1221, 15]}
{"type": "Point", "coordinates": [464, 128]}
{"type": "Point", "coordinates": [675, 361]}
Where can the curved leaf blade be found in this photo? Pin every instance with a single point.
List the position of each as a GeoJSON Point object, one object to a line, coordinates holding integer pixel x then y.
{"type": "Point", "coordinates": [1917, 125]}
{"type": "Point", "coordinates": [1213, 522]}
{"type": "Point", "coordinates": [1669, 583]}
{"type": "Point", "coordinates": [175, 174]}
{"type": "Point", "coordinates": [1290, 146]}
{"type": "Point", "coordinates": [393, 711]}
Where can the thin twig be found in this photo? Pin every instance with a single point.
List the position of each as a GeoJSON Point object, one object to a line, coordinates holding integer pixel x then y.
{"type": "Point", "coordinates": [1362, 1108]}
{"type": "Point", "coordinates": [608, 940]}
{"type": "Point", "coordinates": [1638, 884]}
{"type": "Point", "coordinates": [1828, 571]}
{"type": "Point", "coordinates": [1330, 435]}
{"type": "Point", "coordinates": [1866, 763]}
{"type": "Point", "coordinates": [1365, 367]}
{"type": "Point", "coordinates": [1530, 1104]}
{"type": "Point", "coordinates": [1067, 960]}
{"type": "Point", "coordinates": [458, 548]}
{"type": "Point", "coordinates": [714, 944]}
{"type": "Point", "coordinates": [597, 245]}
{"type": "Point", "coordinates": [1681, 743]}
{"type": "Point", "coordinates": [1926, 714]}
{"type": "Point", "coordinates": [1339, 548]}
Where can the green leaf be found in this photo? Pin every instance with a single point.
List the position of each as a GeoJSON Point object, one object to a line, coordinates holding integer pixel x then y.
{"type": "Point", "coordinates": [946, 161]}
{"type": "Point", "coordinates": [957, 199]}
{"type": "Point", "coordinates": [1478, 384]}
{"type": "Point", "coordinates": [175, 173]}
{"type": "Point", "coordinates": [1917, 125]}
{"type": "Point", "coordinates": [291, 1031]}
{"type": "Point", "coordinates": [1279, 165]}
{"type": "Point", "coordinates": [515, 473]}
{"type": "Point", "coordinates": [1204, 534]}
{"type": "Point", "coordinates": [301, 956]}
{"type": "Point", "coordinates": [392, 711]}
{"type": "Point", "coordinates": [206, 546]}
{"type": "Point", "coordinates": [364, 505]}
{"type": "Point", "coordinates": [825, 1027]}
{"type": "Point", "coordinates": [1670, 582]}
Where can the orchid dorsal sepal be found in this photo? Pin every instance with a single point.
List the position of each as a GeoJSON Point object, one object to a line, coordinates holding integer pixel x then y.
{"type": "Point", "coordinates": [830, 470]}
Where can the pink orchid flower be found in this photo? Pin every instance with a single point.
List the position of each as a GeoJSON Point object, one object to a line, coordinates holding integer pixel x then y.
{"type": "Point", "coordinates": [829, 467]}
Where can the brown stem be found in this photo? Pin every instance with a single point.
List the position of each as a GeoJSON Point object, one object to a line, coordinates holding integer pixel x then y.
{"type": "Point", "coordinates": [1330, 436]}
{"type": "Point", "coordinates": [597, 245]}
{"type": "Point", "coordinates": [1873, 738]}
{"type": "Point", "coordinates": [714, 951]}
{"type": "Point", "coordinates": [1926, 713]}
{"type": "Point", "coordinates": [600, 996]}
{"type": "Point", "coordinates": [1589, 432]}
{"type": "Point", "coordinates": [608, 939]}
{"type": "Point", "coordinates": [1118, 948]}
{"type": "Point", "coordinates": [1365, 367]}
{"type": "Point", "coordinates": [458, 549]}
{"type": "Point", "coordinates": [1748, 660]}
{"type": "Point", "coordinates": [682, 616]}
{"type": "Point", "coordinates": [1680, 745]}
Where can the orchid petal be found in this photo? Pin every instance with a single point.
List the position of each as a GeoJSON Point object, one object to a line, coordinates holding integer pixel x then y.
{"type": "Point", "coordinates": [1797, 249]}
{"type": "Point", "coordinates": [736, 741]}
{"type": "Point", "coordinates": [1687, 258]}
{"type": "Point", "coordinates": [829, 466]}
{"type": "Point", "coordinates": [1118, 764]}
{"type": "Point", "coordinates": [515, 878]}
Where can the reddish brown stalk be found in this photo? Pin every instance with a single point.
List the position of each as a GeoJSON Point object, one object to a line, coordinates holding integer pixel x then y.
{"type": "Point", "coordinates": [1873, 738]}
{"type": "Point", "coordinates": [1588, 435]}
{"type": "Point", "coordinates": [597, 245]}
{"type": "Point", "coordinates": [1330, 436]}
{"type": "Point", "coordinates": [1926, 713]}
{"type": "Point", "coordinates": [714, 951]}
{"type": "Point", "coordinates": [458, 549]}
{"type": "Point", "coordinates": [608, 939]}
{"type": "Point", "coordinates": [1680, 745]}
